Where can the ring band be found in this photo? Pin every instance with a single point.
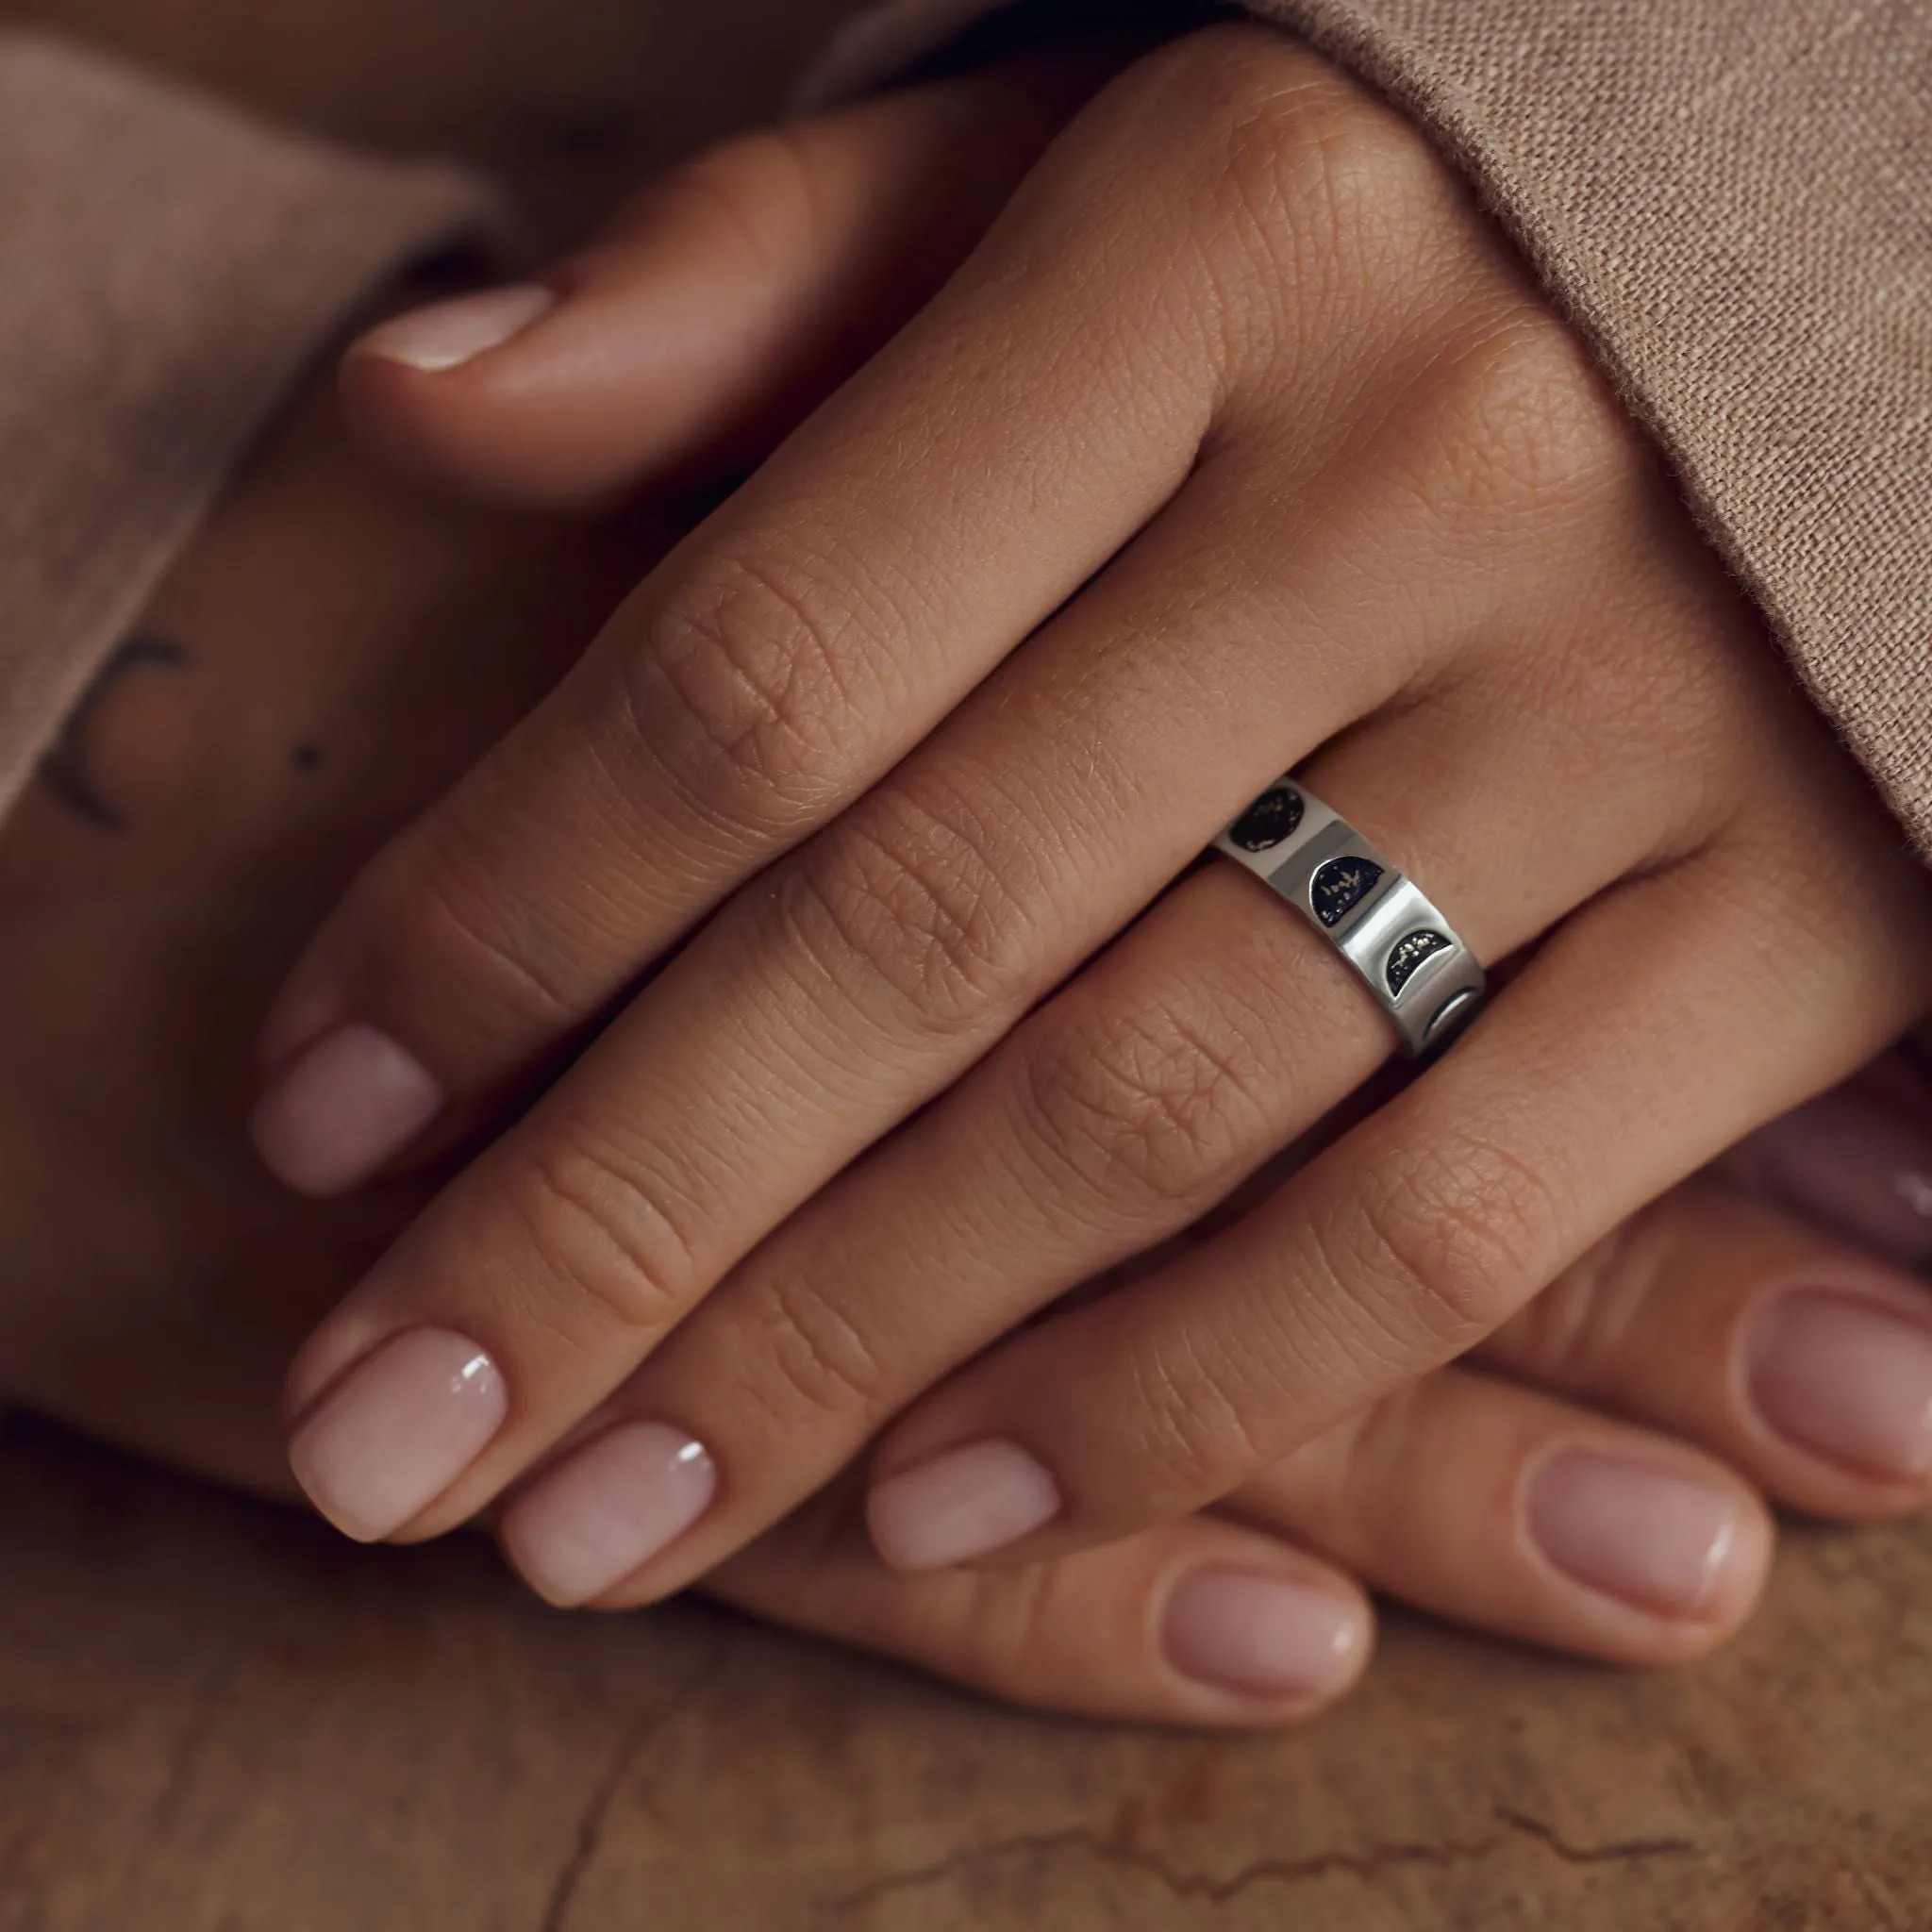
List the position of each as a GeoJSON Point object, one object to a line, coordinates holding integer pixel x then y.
{"type": "Point", "coordinates": [1382, 922]}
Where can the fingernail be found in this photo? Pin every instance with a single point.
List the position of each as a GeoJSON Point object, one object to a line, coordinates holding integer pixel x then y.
{"type": "Point", "coordinates": [1260, 1636]}
{"type": "Point", "coordinates": [448, 334]}
{"type": "Point", "coordinates": [960, 1505]}
{"type": "Point", "coordinates": [1652, 1537]}
{"type": "Point", "coordinates": [1858, 1160]}
{"type": "Point", "coordinates": [398, 1432]}
{"type": "Point", "coordinates": [1840, 1377]}
{"type": "Point", "coordinates": [332, 1118]}
{"type": "Point", "coordinates": [608, 1508]}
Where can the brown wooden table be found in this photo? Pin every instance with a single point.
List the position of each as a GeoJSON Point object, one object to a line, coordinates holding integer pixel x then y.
{"type": "Point", "coordinates": [216, 1717]}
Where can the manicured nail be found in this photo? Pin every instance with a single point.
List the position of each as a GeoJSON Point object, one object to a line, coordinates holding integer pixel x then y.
{"type": "Point", "coordinates": [1651, 1537]}
{"type": "Point", "coordinates": [448, 334]}
{"type": "Point", "coordinates": [608, 1508]}
{"type": "Point", "coordinates": [404, 1426]}
{"type": "Point", "coordinates": [338, 1111]}
{"type": "Point", "coordinates": [1858, 1160]}
{"type": "Point", "coordinates": [1261, 1636]}
{"type": "Point", "coordinates": [960, 1505]}
{"type": "Point", "coordinates": [1846, 1379]}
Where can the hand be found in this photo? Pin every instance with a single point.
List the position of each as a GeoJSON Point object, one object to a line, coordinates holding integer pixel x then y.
{"type": "Point", "coordinates": [332, 651]}
{"type": "Point", "coordinates": [1245, 422]}
{"type": "Point", "coordinates": [218, 790]}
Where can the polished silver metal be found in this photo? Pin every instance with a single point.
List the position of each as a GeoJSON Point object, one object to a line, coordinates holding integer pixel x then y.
{"type": "Point", "coordinates": [1421, 974]}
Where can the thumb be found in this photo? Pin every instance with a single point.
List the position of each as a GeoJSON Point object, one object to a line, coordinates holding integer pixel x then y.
{"type": "Point", "coordinates": [721, 307]}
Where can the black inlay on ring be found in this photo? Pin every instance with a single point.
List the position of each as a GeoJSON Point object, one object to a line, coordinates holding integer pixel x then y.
{"type": "Point", "coordinates": [1340, 885]}
{"type": "Point", "coordinates": [1272, 818]}
{"type": "Point", "coordinates": [1408, 952]}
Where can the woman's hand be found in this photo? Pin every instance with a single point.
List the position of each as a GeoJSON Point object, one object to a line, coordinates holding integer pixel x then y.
{"type": "Point", "coordinates": [1552, 1493]}
{"type": "Point", "coordinates": [336, 648]}
{"type": "Point", "coordinates": [1239, 443]}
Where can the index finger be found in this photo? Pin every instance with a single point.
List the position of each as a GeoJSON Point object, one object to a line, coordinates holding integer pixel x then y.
{"type": "Point", "coordinates": [780, 661]}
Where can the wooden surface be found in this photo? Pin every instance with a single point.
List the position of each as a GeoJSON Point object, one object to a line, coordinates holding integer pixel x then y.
{"type": "Point", "coordinates": [215, 1717]}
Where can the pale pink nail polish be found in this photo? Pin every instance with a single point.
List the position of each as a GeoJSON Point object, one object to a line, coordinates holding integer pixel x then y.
{"type": "Point", "coordinates": [448, 334]}
{"type": "Point", "coordinates": [336, 1113]}
{"type": "Point", "coordinates": [404, 1424]}
{"type": "Point", "coordinates": [1844, 1378]}
{"type": "Point", "coordinates": [606, 1509]}
{"type": "Point", "coordinates": [1648, 1536]}
{"type": "Point", "coordinates": [960, 1505]}
{"type": "Point", "coordinates": [1261, 1636]}
{"type": "Point", "coordinates": [1858, 1160]}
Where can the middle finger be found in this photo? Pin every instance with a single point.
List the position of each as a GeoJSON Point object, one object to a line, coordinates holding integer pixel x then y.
{"type": "Point", "coordinates": [853, 982]}
{"type": "Point", "coordinates": [1203, 1041]}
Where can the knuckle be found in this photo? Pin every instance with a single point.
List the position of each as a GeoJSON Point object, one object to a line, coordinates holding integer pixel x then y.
{"type": "Point", "coordinates": [609, 1263]}
{"type": "Point", "coordinates": [1579, 1330]}
{"type": "Point", "coordinates": [1518, 421]}
{"type": "Point", "coordinates": [1007, 1629]}
{"type": "Point", "coordinates": [1149, 1100]}
{"type": "Point", "coordinates": [1291, 148]}
{"type": "Point", "coordinates": [756, 191]}
{"type": "Point", "coordinates": [499, 968]}
{"type": "Point", "coordinates": [929, 898]}
{"type": "Point", "coordinates": [1452, 1239]}
{"type": "Point", "coordinates": [742, 689]}
{"type": "Point", "coordinates": [1194, 1404]}
{"type": "Point", "coordinates": [1352, 1471]}
{"type": "Point", "coordinates": [823, 1359]}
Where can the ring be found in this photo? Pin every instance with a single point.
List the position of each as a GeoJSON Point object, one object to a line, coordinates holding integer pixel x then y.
{"type": "Point", "coordinates": [1382, 922]}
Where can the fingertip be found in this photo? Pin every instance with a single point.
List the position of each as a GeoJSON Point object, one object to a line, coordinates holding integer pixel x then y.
{"type": "Point", "coordinates": [1802, 1361]}
{"type": "Point", "coordinates": [1838, 1375]}
{"type": "Point", "coordinates": [447, 334]}
{"type": "Point", "coordinates": [965, 1502]}
{"type": "Point", "coordinates": [1274, 1644]}
{"type": "Point", "coordinates": [732, 297]}
{"type": "Point", "coordinates": [1656, 1557]}
{"type": "Point", "coordinates": [504, 425]}
{"type": "Point", "coordinates": [1203, 1623]}
{"type": "Point", "coordinates": [336, 1113]}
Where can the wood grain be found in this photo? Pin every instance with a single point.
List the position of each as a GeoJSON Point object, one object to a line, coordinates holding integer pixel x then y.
{"type": "Point", "coordinates": [216, 1717]}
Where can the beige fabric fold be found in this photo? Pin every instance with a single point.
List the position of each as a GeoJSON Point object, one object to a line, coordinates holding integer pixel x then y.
{"type": "Point", "coordinates": [1732, 199]}
{"type": "Point", "coordinates": [167, 268]}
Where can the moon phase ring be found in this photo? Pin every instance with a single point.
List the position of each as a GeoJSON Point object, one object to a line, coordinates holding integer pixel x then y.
{"type": "Point", "coordinates": [1423, 975]}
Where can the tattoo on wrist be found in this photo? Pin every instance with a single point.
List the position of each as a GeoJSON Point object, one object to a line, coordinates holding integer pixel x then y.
{"type": "Point", "coordinates": [67, 768]}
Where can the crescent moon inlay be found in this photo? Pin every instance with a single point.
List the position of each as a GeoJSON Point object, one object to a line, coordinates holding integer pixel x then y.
{"type": "Point", "coordinates": [66, 768]}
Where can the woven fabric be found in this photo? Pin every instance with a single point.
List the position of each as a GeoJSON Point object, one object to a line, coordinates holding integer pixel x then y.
{"type": "Point", "coordinates": [170, 267]}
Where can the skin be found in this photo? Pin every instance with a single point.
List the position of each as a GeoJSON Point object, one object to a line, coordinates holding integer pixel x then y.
{"type": "Point", "coordinates": [1238, 358]}
{"type": "Point", "coordinates": [1239, 366]}
{"type": "Point", "coordinates": [337, 647]}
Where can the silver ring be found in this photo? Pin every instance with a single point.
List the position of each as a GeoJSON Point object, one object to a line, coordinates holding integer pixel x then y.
{"type": "Point", "coordinates": [1421, 974]}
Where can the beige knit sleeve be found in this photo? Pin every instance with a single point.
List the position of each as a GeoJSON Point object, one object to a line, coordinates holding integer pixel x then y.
{"type": "Point", "coordinates": [166, 270]}
{"type": "Point", "coordinates": [1732, 199]}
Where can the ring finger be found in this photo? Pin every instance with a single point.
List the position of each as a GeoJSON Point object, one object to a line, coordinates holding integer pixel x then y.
{"type": "Point", "coordinates": [813, 1013]}
{"type": "Point", "coordinates": [1204, 1041]}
